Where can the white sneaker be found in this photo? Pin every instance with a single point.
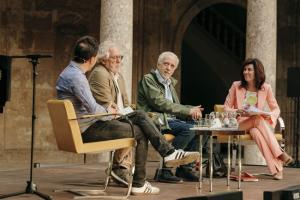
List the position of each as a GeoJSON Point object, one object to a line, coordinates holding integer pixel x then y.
{"type": "Point", "coordinates": [147, 189]}
{"type": "Point", "coordinates": [180, 157]}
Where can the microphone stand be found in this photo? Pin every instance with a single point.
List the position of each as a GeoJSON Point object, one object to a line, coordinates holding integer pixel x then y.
{"type": "Point", "coordinates": [31, 187]}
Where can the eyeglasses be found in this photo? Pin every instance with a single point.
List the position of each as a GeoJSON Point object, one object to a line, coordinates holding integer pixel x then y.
{"type": "Point", "coordinates": [120, 57]}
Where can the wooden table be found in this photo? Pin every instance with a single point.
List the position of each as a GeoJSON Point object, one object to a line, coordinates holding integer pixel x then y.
{"type": "Point", "coordinates": [230, 132]}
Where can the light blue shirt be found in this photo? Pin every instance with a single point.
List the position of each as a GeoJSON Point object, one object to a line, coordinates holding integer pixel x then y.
{"type": "Point", "coordinates": [166, 83]}
{"type": "Point", "coordinates": [72, 84]}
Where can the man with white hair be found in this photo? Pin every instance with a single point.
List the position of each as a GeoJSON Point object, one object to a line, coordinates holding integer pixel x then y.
{"type": "Point", "coordinates": [156, 93]}
{"type": "Point", "coordinates": [106, 89]}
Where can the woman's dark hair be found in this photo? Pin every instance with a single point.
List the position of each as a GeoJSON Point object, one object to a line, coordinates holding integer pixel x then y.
{"type": "Point", "coordinates": [85, 48]}
{"type": "Point", "coordinates": [259, 73]}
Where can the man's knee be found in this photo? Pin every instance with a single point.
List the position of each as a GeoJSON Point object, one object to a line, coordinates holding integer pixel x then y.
{"type": "Point", "coordinates": [181, 126]}
{"type": "Point", "coordinates": [141, 114]}
{"type": "Point", "coordinates": [185, 131]}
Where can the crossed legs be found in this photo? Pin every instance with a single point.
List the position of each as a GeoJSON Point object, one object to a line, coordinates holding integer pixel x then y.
{"type": "Point", "coordinates": [265, 140]}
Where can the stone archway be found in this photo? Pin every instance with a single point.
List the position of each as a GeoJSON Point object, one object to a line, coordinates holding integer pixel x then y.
{"type": "Point", "coordinates": [189, 15]}
{"type": "Point", "coordinates": [185, 21]}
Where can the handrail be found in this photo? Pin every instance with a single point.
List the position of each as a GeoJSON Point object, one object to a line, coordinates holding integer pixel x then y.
{"type": "Point", "coordinates": [223, 31]}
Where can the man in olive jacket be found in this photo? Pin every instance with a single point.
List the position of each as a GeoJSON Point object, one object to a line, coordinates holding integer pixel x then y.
{"type": "Point", "coordinates": [156, 93]}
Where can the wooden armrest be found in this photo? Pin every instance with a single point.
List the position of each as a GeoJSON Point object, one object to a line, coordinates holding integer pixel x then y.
{"type": "Point", "coordinates": [281, 127]}
{"type": "Point", "coordinates": [281, 124]}
{"type": "Point", "coordinates": [97, 115]}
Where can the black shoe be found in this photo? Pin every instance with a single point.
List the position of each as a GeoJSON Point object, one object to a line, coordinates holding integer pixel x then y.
{"type": "Point", "coordinates": [187, 174]}
{"type": "Point", "coordinates": [166, 176]}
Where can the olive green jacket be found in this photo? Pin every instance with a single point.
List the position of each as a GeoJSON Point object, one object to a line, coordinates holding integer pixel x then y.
{"type": "Point", "coordinates": [151, 98]}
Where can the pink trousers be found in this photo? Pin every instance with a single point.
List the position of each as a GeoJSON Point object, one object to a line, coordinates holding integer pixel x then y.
{"type": "Point", "coordinates": [265, 139]}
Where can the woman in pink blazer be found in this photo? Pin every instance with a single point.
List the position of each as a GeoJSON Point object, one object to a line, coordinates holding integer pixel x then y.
{"type": "Point", "coordinates": [252, 91]}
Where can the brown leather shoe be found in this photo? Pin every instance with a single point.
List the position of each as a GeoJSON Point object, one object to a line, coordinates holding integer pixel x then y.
{"type": "Point", "coordinates": [286, 158]}
{"type": "Point", "coordinates": [278, 175]}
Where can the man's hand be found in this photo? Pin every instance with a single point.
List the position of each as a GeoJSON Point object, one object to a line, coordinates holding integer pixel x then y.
{"type": "Point", "coordinates": [111, 109]}
{"type": "Point", "coordinates": [196, 112]}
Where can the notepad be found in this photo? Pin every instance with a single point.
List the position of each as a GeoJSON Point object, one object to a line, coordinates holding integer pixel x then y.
{"type": "Point", "coordinates": [251, 110]}
{"type": "Point", "coordinates": [126, 111]}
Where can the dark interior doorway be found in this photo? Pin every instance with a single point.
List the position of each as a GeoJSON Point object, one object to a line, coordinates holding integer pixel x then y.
{"type": "Point", "coordinates": [212, 51]}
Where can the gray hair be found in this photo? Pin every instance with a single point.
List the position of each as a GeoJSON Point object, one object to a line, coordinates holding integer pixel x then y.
{"type": "Point", "coordinates": [103, 51]}
{"type": "Point", "coordinates": [167, 54]}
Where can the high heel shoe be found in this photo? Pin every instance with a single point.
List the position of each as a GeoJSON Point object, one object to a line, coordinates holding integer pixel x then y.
{"type": "Point", "coordinates": [278, 175]}
{"type": "Point", "coordinates": [287, 160]}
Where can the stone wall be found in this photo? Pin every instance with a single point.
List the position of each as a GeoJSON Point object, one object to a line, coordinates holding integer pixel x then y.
{"type": "Point", "coordinates": [39, 27]}
{"type": "Point", "coordinates": [288, 55]}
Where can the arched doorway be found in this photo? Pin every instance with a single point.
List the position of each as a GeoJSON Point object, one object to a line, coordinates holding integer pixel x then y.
{"type": "Point", "coordinates": [213, 47]}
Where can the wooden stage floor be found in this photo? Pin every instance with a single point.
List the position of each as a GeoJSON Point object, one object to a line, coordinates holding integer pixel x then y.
{"type": "Point", "coordinates": [53, 177]}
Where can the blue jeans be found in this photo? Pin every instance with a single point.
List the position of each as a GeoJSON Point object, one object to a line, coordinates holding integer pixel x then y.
{"type": "Point", "coordinates": [184, 138]}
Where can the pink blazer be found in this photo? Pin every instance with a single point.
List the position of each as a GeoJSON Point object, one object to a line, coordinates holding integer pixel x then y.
{"type": "Point", "coordinates": [265, 95]}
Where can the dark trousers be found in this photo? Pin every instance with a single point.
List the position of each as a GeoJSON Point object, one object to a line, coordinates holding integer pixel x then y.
{"type": "Point", "coordinates": [144, 130]}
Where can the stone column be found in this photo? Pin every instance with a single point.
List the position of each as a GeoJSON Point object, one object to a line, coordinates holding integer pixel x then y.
{"type": "Point", "coordinates": [261, 35]}
{"type": "Point", "coordinates": [261, 43]}
{"type": "Point", "coordinates": [116, 25]}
